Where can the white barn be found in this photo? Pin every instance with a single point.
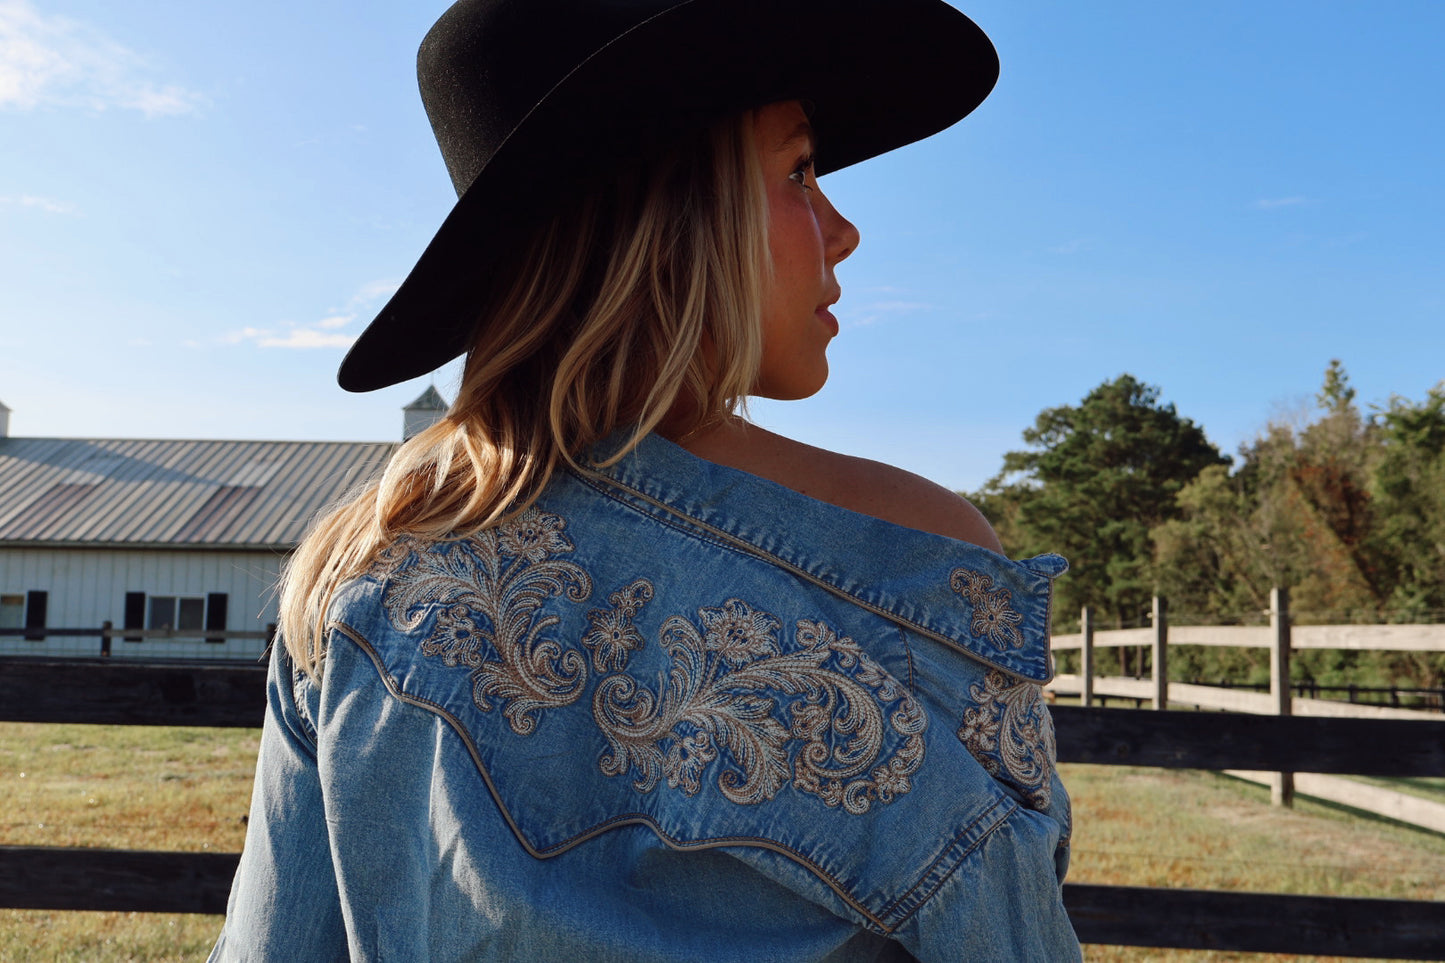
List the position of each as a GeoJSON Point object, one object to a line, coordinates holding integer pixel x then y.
{"type": "Point", "coordinates": [159, 534]}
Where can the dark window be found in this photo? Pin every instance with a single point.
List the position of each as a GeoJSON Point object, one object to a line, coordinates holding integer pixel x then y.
{"type": "Point", "coordinates": [190, 615]}
{"type": "Point", "coordinates": [135, 613]}
{"type": "Point", "coordinates": [35, 606]}
{"type": "Point", "coordinates": [216, 615]}
{"type": "Point", "coordinates": [161, 612]}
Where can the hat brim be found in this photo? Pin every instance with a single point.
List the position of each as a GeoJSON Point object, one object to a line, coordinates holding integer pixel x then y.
{"type": "Point", "coordinates": [879, 74]}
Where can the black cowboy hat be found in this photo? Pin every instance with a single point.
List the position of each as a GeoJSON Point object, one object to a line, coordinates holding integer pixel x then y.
{"type": "Point", "coordinates": [525, 94]}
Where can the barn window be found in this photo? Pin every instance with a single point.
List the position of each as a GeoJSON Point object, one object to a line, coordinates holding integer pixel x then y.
{"type": "Point", "coordinates": [176, 612]}
{"type": "Point", "coordinates": [12, 611]}
{"type": "Point", "coordinates": [162, 612]}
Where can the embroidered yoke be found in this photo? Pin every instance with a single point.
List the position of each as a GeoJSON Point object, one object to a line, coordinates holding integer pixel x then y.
{"type": "Point", "coordinates": [673, 712]}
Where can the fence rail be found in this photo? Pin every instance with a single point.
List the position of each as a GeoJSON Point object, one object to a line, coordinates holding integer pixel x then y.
{"type": "Point", "coordinates": [1376, 638]}
{"type": "Point", "coordinates": [1282, 638]}
{"type": "Point", "coordinates": [107, 633]}
{"type": "Point", "coordinates": [102, 691]}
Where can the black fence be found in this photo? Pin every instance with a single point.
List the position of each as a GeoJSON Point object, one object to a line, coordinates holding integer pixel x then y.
{"type": "Point", "coordinates": [102, 691]}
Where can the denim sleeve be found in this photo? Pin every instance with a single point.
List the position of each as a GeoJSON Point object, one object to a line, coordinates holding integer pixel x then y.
{"type": "Point", "coordinates": [284, 903]}
{"type": "Point", "coordinates": [1003, 902]}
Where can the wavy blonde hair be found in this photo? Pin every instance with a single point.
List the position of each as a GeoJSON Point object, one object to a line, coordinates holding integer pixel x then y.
{"type": "Point", "coordinates": [640, 302]}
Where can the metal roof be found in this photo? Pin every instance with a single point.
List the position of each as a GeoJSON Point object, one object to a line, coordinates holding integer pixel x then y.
{"type": "Point", "coordinates": [215, 494]}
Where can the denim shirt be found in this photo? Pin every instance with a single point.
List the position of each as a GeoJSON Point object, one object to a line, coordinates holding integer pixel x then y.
{"type": "Point", "coordinates": [672, 712]}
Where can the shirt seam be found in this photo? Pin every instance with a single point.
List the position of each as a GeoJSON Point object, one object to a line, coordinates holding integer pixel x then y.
{"type": "Point", "coordinates": [908, 656]}
{"type": "Point", "coordinates": [302, 714]}
{"type": "Point", "coordinates": [913, 894]}
{"type": "Point", "coordinates": [747, 548]}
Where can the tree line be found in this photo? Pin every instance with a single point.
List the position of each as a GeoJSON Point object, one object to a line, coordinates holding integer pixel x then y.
{"type": "Point", "coordinates": [1345, 508]}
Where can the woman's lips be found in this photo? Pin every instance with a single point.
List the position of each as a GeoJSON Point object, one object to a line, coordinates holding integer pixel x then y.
{"type": "Point", "coordinates": [827, 318]}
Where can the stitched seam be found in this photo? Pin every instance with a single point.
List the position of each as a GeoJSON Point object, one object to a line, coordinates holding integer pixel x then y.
{"type": "Point", "coordinates": [1050, 665]}
{"type": "Point", "coordinates": [626, 819]}
{"type": "Point", "coordinates": [707, 537]}
{"type": "Point", "coordinates": [907, 655]}
{"type": "Point", "coordinates": [946, 850]}
{"type": "Point", "coordinates": [302, 714]}
{"type": "Point", "coordinates": [953, 869]}
{"type": "Point", "coordinates": [748, 548]}
{"type": "Point", "coordinates": [944, 856]}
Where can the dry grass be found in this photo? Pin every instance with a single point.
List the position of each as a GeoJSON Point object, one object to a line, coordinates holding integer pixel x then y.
{"type": "Point", "coordinates": [138, 787]}
{"type": "Point", "coordinates": [34, 936]}
{"type": "Point", "coordinates": [187, 789]}
{"type": "Point", "coordinates": [1199, 830]}
{"type": "Point", "coordinates": [131, 787]}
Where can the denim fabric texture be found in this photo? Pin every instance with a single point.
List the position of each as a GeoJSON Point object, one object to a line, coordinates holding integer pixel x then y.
{"type": "Point", "coordinates": [674, 712]}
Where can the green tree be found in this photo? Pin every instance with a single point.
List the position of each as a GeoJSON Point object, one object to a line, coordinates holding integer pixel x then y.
{"type": "Point", "coordinates": [1344, 510]}
{"type": "Point", "coordinates": [1347, 512]}
{"type": "Point", "coordinates": [1100, 475]}
{"type": "Point", "coordinates": [1297, 513]}
{"type": "Point", "coordinates": [1408, 485]}
{"type": "Point", "coordinates": [1336, 394]}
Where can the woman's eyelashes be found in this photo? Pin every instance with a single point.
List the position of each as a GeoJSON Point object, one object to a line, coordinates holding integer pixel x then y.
{"type": "Point", "coordinates": [801, 172]}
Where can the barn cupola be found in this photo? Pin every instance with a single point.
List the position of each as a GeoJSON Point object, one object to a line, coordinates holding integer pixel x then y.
{"type": "Point", "coordinates": [422, 413]}
{"type": "Point", "coordinates": [4, 421]}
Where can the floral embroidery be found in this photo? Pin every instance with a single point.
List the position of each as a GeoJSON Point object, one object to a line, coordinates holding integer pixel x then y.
{"type": "Point", "coordinates": [819, 714]}
{"type": "Point", "coordinates": [738, 633]}
{"type": "Point", "coordinates": [485, 593]}
{"type": "Point", "coordinates": [993, 617]}
{"type": "Point", "coordinates": [1010, 732]}
{"type": "Point", "coordinates": [533, 535]}
{"type": "Point", "coordinates": [724, 695]}
{"type": "Point", "coordinates": [613, 635]}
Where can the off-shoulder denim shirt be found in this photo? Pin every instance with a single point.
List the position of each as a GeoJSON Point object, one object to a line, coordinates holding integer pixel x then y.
{"type": "Point", "coordinates": [672, 712]}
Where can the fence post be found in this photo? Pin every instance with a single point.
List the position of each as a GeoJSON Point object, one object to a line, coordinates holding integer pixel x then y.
{"type": "Point", "coordinates": [1281, 790]}
{"type": "Point", "coordinates": [1086, 658]}
{"type": "Point", "coordinates": [105, 628]}
{"type": "Point", "coordinates": [1159, 653]}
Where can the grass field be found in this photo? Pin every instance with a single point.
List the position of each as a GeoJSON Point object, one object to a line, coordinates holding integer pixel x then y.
{"type": "Point", "coordinates": [187, 789]}
{"type": "Point", "coordinates": [132, 787]}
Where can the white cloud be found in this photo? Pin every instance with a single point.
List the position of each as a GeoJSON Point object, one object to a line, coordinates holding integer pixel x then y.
{"type": "Point", "coordinates": [306, 338]}
{"type": "Point", "coordinates": [245, 334]}
{"type": "Point", "coordinates": [54, 61]}
{"type": "Point", "coordinates": [323, 333]}
{"type": "Point", "coordinates": [883, 311]}
{"type": "Point", "coordinates": [1271, 203]}
{"type": "Point", "coordinates": [374, 290]}
{"type": "Point", "coordinates": [46, 204]}
{"type": "Point", "coordinates": [294, 336]}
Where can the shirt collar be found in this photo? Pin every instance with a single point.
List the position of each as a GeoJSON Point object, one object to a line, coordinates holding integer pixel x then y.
{"type": "Point", "coordinates": [989, 607]}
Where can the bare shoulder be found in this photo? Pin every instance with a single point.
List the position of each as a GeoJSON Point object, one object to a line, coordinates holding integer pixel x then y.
{"type": "Point", "coordinates": [899, 496]}
{"type": "Point", "coordinates": [857, 484]}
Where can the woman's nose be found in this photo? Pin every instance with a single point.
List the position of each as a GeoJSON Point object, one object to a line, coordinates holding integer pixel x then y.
{"type": "Point", "coordinates": [842, 236]}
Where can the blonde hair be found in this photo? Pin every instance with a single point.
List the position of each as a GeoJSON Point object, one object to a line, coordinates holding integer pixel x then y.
{"type": "Point", "coordinates": [639, 302]}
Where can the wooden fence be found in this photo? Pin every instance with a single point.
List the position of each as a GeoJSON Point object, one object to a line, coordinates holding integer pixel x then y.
{"type": "Point", "coordinates": [1281, 638]}
{"type": "Point", "coordinates": [110, 692]}
{"type": "Point", "coordinates": [107, 634]}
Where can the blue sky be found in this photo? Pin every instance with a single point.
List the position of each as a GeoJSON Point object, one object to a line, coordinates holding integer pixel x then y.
{"type": "Point", "coordinates": [200, 204]}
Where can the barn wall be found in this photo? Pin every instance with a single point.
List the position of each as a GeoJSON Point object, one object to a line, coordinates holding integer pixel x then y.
{"type": "Point", "coordinates": [88, 586]}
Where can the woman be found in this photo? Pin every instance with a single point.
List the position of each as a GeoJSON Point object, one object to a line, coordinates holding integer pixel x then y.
{"type": "Point", "coordinates": [598, 670]}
